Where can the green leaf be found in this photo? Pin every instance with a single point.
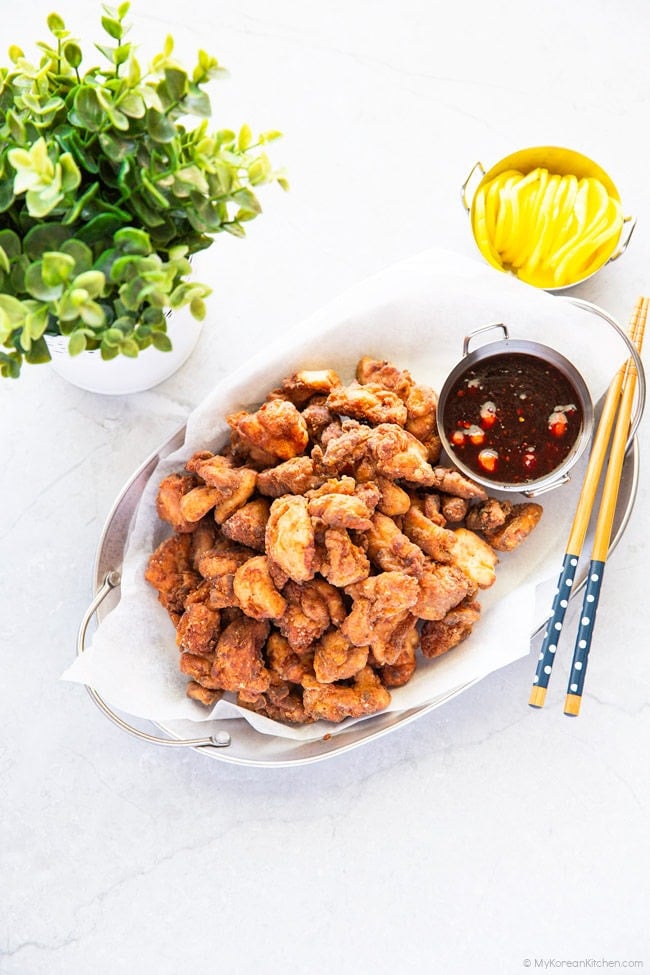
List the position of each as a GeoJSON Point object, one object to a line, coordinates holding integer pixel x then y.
{"type": "Point", "coordinates": [44, 237]}
{"type": "Point", "coordinates": [245, 138]}
{"type": "Point", "coordinates": [77, 343]}
{"type": "Point", "coordinates": [174, 86]}
{"type": "Point", "coordinates": [101, 227]}
{"type": "Point", "coordinates": [113, 28]}
{"type": "Point", "coordinates": [37, 287]}
{"type": "Point", "coordinates": [131, 240]}
{"type": "Point", "coordinates": [10, 243]}
{"type": "Point", "coordinates": [161, 341]}
{"type": "Point", "coordinates": [130, 348]}
{"type": "Point", "coordinates": [132, 105]}
{"type": "Point", "coordinates": [80, 253]}
{"type": "Point", "coordinates": [55, 23]}
{"type": "Point", "coordinates": [72, 53]}
{"type": "Point", "coordinates": [38, 353]}
{"type": "Point", "coordinates": [88, 109]}
{"type": "Point", "coordinates": [159, 127]}
{"type": "Point", "coordinates": [56, 268]}
{"type": "Point", "coordinates": [117, 147]}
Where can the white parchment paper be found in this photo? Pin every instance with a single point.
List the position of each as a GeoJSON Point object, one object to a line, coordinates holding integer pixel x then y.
{"type": "Point", "coordinates": [415, 313]}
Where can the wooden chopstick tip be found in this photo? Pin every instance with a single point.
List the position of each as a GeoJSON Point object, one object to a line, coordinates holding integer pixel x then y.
{"type": "Point", "coordinates": [572, 705]}
{"type": "Point", "coordinates": [537, 697]}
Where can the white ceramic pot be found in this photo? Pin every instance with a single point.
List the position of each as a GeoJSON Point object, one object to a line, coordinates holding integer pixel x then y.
{"type": "Point", "coordinates": [123, 375]}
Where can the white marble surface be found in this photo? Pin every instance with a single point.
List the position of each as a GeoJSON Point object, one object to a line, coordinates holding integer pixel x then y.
{"type": "Point", "coordinates": [485, 833]}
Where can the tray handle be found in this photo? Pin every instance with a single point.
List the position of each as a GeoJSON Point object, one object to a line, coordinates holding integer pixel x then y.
{"type": "Point", "coordinates": [220, 740]}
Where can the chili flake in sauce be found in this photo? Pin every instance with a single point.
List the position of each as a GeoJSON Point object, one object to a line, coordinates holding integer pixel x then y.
{"type": "Point", "coordinates": [512, 417]}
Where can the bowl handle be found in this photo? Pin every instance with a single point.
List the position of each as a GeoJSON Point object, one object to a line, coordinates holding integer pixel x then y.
{"type": "Point", "coordinates": [623, 245]}
{"type": "Point", "coordinates": [463, 190]}
{"type": "Point", "coordinates": [485, 328]}
{"type": "Point", "coordinates": [220, 740]}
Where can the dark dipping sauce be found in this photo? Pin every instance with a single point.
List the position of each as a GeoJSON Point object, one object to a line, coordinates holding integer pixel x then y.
{"type": "Point", "coordinates": [512, 418]}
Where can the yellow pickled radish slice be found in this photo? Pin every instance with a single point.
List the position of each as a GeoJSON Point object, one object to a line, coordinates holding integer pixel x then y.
{"type": "Point", "coordinates": [482, 234]}
{"type": "Point", "coordinates": [543, 228]}
{"type": "Point", "coordinates": [505, 218]}
{"type": "Point", "coordinates": [580, 261]}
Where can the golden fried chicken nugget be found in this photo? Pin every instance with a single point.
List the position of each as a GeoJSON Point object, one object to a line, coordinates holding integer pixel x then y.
{"type": "Point", "coordinates": [197, 502]}
{"type": "Point", "coordinates": [398, 455]}
{"type": "Point", "coordinates": [335, 658]}
{"type": "Point", "coordinates": [255, 591]}
{"type": "Point", "coordinates": [342, 562]}
{"type": "Point", "coordinates": [393, 500]}
{"type": "Point", "coordinates": [333, 702]}
{"type": "Point", "coordinates": [290, 540]}
{"type": "Point", "coordinates": [454, 509]}
{"type": "Point", "coordinates": [389, 549]}
{"type": "Point", "coordinates": [450, 481]}
{"type": "Point", "coordinates": [384, 373]}
{"type": "Point", "coordinates": [381, 604]}
{"type": "Point", "coordinates": [247, 525]}
{"type": "Point", "coordinates": [303, 385]}
{"type": "Point", "coordinates": [421, 409]}
{"type": "Point", "coordinates": [312, 607]}
{"type": "Point", "coordinates": [439, 636]}
{"type": "Point", "coordinates": [170, 571]}
{"type": "Point", "coordinates": [441, 588]}
{"type": "Point", "coordinates": [238, 663]}
{"type": "Point", "coordinates": [488, 516]}
{"type": "Point", "coordinates": [171, 491]}
{"type": "Point", "coordinates": [286, 662]}
{"type": "Point", "coordinates": [219, 566]}
{"type": "Point", "coordinates": [317, 417]}
{"type": "Point", "coordinates": [340, 511]}
{"type": "Point", "coordinates": [345, 447]}
{"type": "Point", "coordinates": [371, 403]}
{"type": "Point", "coordinates": [198, 629]}
{"type": "Point", "coordinates": [518, 525]}
{"type": "Point", "coordinates": [475, 557]}
{"type": "Point", "coordinates": [400, 672]}
{"type": "Point", "coordinates": [276, 428]}
{"type": "Point", "coordinates": [435, 541]}
{"type": "Point", "coordinates": [293, 476]}
{"type": "Point", "coordinates": [201, 694]}
{"type": "Point", "coordinates": [198, 666]}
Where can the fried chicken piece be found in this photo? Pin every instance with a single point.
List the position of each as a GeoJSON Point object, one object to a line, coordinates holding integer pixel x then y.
{"type": "Point", "coordinates": [393, 500]}
{"type": "Point", "coordinates": [255, 591]}
{"type": "Point", "coordinates": [198, 666]}
{"type": "Point", "coordinates": [303, 385]}
{"type": "Point", "coordinates": [450, 481]}
{"type": "Point", "coordinates": [475, 557]}
{"type": "Point", "coordinates": [435, 541]}
{"type": "Point", "coordinates": [290, 540]}
{"type": "Point", "coordinates": [203, 539]}
{"type": "Point", "coordinates": [421, 408]}
{"type": "Point", "coordinates": [238, 663]}
{"type": "Point", "coordinates": [488, 516]}
{"type": "Point", "coordinates": [171, 491]}
{"type": "Point", "coordinates": [340, 511]}
{"type": "Point", "coordinates": [453, 509]}
{"type": "Point", "coordinates": [345, 449]}
{"type": "Point", "coordinates": [201, 694]}
{"type": "Point", "coordinates": [247, 525]}
{"type": "Point", "coordinates": [198, 502]}
{"type": "Point", "coordinates": [277, 428]}
{"type": "Point", "coordinates": [389, 549]}
{"type": "Point", "coordinates": [390, 637]}
{"type": "Point", "coordinates": [380, 603]}
{"type": "Point", "coordinates": [519, 523]}
{"type": "Point", "coordinates": [371, 403]}
{"type": "Point", "coordinates": [398, 455]}
{"type": "Point", "coordinates": [219, 566]}
{"type": "Point", "coordinates": [208, 466]}
{"type": "Point", "coordinates": [441, 588]}
{"type": "Point", "coordinates": [431, 506]}
{"type": "Point", "coordinates": [286, 662]}
{"type": "Point", "coordinates": [439, 636]}
{"type": "Point", "coordinates": [244, 451]}
{"type": "Point", "coordinates": [169, 570]}
{"type": "Point", "coordinates": [332, 702]}
{"type": "Point", "coordinates": [342, 562]}
{"type": "Point", "coordinates": [280, 703]}
{"type": "Point", "coordinates": [312, 607]}
{"type": "Point", "coordinates": [293, 476]}
{"type": "Point", "coordinates": [198, 628]}
{"type": "Point", "coordinates": [335, 658]}
{"type": "Point", "coordinates": [317, 417]}
{"type": "Point", "coordinates": [385, 374]}
{"type": "Point", "coordinates": [399, 673]}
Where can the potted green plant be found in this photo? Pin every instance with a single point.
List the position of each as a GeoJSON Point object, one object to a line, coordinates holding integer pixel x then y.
{"type": "Point", "coordinates": [106, 192]}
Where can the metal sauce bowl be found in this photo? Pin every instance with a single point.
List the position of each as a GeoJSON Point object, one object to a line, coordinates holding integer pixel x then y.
{"type": "Point", "coordinates": [504, 347]}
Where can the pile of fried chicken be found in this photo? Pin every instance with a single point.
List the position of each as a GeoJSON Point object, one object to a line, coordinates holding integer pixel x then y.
{"type": "Point", "coordinates": [323, 547]}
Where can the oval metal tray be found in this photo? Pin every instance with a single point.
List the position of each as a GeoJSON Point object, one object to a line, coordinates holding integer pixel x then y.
{"type": "Point", "coordinates": [235, 740]}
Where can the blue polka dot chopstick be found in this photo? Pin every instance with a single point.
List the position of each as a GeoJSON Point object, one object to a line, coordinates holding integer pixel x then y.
{"type": "Point", "coordinates": [617, 409]}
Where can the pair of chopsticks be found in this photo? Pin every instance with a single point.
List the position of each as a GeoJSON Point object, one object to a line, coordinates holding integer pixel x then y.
{"type": "Point", "coordinates": [616, 414]}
